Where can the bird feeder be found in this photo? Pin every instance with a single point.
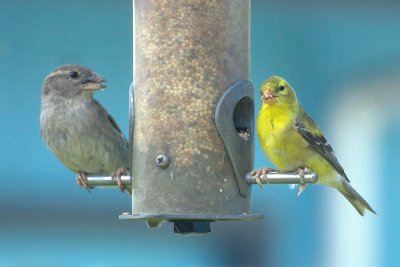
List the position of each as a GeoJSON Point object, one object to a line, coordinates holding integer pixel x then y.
{"type": "Point", "coordinates": [191, 114]}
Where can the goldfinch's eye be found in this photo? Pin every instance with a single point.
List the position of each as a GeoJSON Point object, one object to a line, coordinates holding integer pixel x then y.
{"type": "Point", "coordinates": [261, 93]}
{"type": "Point", "coordinates": [281, 88]}
{"type": "Point", "coordinates": [73, 74]}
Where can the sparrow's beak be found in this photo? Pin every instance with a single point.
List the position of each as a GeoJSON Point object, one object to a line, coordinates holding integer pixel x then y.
{"type": "Point", "coordinates": [94, 82]}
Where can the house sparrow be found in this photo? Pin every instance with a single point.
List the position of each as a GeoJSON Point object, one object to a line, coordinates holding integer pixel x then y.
{"type": "Point", "coordinates": [78, 129]}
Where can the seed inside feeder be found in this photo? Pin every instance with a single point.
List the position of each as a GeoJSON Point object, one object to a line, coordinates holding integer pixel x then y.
{"type": "Point", "coordinates": [187, 52]}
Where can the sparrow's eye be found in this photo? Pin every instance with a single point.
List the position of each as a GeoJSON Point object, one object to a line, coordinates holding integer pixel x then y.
{"type": "Point", "coordinates": [281, 88]}
{"type": "Point", "coordinates": [73, 74]}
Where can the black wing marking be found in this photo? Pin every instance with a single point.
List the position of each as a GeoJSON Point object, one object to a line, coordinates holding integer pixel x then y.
{"type": "Point", "coordinates": [319, 143]}
{"type": "Point", "coordinates": [110, 118]}
{"type": "Point", "coordinates": [116, 127]}
{"type": "Point", "coordinates": [113, 123]}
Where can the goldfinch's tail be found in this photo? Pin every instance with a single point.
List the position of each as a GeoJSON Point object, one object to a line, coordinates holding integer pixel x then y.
{"type": "Point", "coordinates": [354, 198]}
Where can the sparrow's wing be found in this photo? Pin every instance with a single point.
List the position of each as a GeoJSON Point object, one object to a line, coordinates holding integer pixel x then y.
{"type": "Point", "coordinates": [100, 110]}
{"type": "Point", "coordinates": [113, 123]}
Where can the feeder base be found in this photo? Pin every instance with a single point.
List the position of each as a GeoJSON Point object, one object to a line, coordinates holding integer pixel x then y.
{"type": "Point", "coordinates": [191, 223]}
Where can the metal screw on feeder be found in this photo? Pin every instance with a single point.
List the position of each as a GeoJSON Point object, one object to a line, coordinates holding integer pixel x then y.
{"type": "Point", "coordinates": [162, 161]}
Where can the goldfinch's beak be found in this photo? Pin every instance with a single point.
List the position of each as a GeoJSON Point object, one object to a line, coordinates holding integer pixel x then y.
{"type": "Point", "coordinates": [268, 95]}
{"type": "Point", "coordinates": [94, 82]}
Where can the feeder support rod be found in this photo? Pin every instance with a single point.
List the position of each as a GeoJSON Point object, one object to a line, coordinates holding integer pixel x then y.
{"type": "Point", "coordinates": [269, 178]}
{"type": "Point", "coordinates": [283, 178]}
{"type": "Point", "coordinates": [100, 180]}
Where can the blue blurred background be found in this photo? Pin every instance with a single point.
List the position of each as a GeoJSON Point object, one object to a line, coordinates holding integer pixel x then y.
{"type": "Point", "coordinates": [344, 61]}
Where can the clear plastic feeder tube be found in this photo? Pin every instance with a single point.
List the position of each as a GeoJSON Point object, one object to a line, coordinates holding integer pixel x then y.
{"type": "Point", "coordinates": [186, 53]}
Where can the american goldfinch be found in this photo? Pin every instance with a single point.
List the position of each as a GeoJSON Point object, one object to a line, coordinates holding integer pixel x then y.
{"type": "Point", "coordinates": [293, 141]}
{"type": "Point", "coordinates": [78, 129]}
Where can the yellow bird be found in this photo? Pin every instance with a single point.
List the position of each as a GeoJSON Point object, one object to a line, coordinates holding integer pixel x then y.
{"type": "Point", "coordinates": [293, 141]}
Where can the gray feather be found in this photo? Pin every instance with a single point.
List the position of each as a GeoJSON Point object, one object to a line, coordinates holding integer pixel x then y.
{"type": "Point", "coordinates": [355, 198]}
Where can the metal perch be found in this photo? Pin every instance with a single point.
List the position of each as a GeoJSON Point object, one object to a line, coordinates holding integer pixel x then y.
{"type": "Point", "coordinates": [101, 180]}
{"type": "Point", "coordinates": [270, 178]}
{"type": "Point", "coordinates": [283, 178]}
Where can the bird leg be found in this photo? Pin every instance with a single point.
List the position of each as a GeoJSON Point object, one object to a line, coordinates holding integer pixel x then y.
{"type": "Point", "coordinates": [117, 176]}
{"type": "Point", "coordinates": [301, 172]}
{"type": "Point", "coordinates": [261, 173]}
{"type": "Point", "coordinates": [82, 181]}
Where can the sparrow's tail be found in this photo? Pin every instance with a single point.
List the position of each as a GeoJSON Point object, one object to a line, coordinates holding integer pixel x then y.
{"type": "Point", "coordinates": [354, 198]}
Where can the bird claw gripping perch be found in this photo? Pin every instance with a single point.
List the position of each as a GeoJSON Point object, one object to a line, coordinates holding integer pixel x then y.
{"type": "Point", "coordinates": [274, 177]}
{"type": "Point", "coordinates": [117, 177]}
{"type": "Point", "coordinates": [301, 172]}
{"type": "Point", "coordinates": [82, 181]}
{"type": "Point", "coordinates": [261, 174]}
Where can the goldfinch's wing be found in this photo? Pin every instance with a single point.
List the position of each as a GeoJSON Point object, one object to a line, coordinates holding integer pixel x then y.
{"type": "Point", "coordinates": [316, 139]}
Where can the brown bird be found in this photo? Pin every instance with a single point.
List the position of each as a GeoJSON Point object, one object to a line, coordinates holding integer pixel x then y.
{"type": "Point", "coordinates": [78, 129]}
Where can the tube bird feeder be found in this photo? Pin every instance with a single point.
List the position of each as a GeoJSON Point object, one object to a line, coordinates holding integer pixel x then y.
{"type": "Point", "coordinates": [192, 115]}
{"type": "Point", "coordinates": [187, 55]}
